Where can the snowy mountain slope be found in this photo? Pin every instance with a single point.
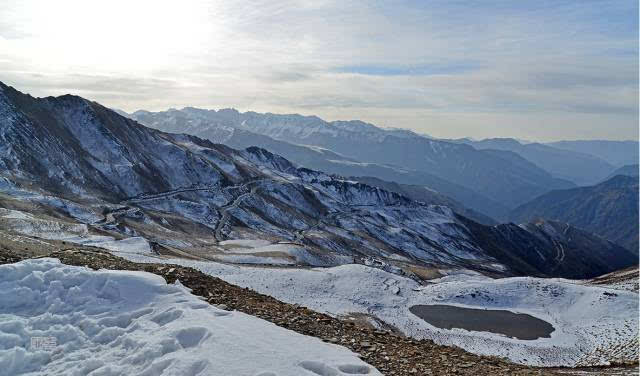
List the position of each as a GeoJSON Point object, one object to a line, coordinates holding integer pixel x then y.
{"type": "Point", "coordinates": [73, 145]}
{"type": "Point", "coordinates": [323, 159]}
{"type": "Point", "coordinates": [391, 229]}
{"type": "Point", "coordinates": [533, 247]}
{"type": "Point", "coordinates": [185, 195]}
{"type": "Point", "coordinates": [508, 179]}
{"type": "Point", "coordinates": [591, 325]}
{"type": "Point", "coordinates": [121, 322]}
{"type": "Point", "coordinates": [424, 194]}
{"type": "Point", "coordinates": [316, 158]}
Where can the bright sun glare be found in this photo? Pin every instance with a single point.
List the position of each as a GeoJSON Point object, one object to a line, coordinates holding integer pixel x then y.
{"type": "Point", "coordinates": [154, 34]}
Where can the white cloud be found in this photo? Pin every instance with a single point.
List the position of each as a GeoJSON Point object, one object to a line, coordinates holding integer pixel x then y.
{"type": "Point", "coordinates": [526, 66]}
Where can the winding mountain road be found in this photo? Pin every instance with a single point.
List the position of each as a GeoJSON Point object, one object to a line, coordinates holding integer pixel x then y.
{"type": "Point", "coordinates": [110, 218]}
{"type": "Point", "coordinates": [224, 211]}
{"type": "Point", "coordinates": [166, 194]}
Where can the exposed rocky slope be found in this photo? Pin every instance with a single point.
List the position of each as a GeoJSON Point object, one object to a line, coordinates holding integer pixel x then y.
{"type": "Point", "coordinates": [624, 279]}
{"type": "Point", "coordinates": [609, 209]}
{"type": "Point", "coordinates": [552, 248]}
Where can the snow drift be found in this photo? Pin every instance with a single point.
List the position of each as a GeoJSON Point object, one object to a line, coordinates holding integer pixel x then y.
{"type": "Point", "coordinates": [133, 323]}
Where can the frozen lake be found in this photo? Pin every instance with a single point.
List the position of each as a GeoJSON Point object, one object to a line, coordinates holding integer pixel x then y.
{"type": "Point", "coordinates": [517, 325]}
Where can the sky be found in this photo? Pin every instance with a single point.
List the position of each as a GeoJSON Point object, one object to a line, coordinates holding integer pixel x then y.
{"type": "Point", "coordinates": [535, 70]}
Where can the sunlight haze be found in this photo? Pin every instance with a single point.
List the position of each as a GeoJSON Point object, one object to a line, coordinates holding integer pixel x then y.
{"type": "Point", "coordinates": [543, 70]}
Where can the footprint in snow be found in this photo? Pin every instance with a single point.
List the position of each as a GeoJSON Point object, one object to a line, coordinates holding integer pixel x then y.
{"type": "Point", "coordinates": [191, 337]}
{"type": "Point", "coordinates": [167, 316]}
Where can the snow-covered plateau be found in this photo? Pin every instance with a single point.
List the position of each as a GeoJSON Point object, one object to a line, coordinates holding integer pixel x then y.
{"type": "Point", "coordinates": [593, 325]}
{"type": "Point", "coordinates": [133, 323]}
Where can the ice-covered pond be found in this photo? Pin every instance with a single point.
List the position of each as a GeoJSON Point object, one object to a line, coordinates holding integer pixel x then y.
{"type": "Point", "coordinates": [518, 325]}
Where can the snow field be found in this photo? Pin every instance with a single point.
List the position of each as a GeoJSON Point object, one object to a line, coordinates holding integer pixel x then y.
{"type": "Point", "coordinates": [133, 323]}
{"type": "Point", "coordinates": [261, 252]}
{"type": "Point", "coordinates": [588, 320]}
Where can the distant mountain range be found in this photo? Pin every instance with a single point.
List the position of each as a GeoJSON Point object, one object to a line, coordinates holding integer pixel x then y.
{"type": "Point", "coordinates": [326, 160]}
{"type": "Point", "coordinates": [609, 209]}
{"type": "Point", "coordinates": [488, 181]}
{"type": "Point", "coordinates": [628, 170]}
{"type": "Point", "coordinates": [71, 167]}
{"type": "Point", "coordinates": [578, 167]}
{"type": "Point", "coordinates": [617, 153]}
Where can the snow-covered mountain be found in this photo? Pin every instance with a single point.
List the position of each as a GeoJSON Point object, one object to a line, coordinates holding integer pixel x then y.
{"type": "Point", "coordinates": [75, 170]}
{"type": "Point", "coordinates": [320, 158]}
{"type": "Point", "coordinates": [502, 176]}
{"type": "Point", "coordinates": [424, 194]}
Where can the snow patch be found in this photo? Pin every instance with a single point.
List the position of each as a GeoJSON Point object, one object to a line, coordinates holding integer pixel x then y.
{"type": "Point", "coordinates": [133, 323]}
{"type": "Point", "coordinates": [235, 244]}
